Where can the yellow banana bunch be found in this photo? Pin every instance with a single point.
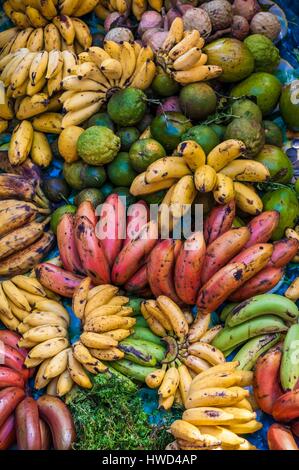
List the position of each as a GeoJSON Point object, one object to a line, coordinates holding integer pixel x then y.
{"type": "Point", "coordinates": [189, 170]}
{"type": "Point", "coordinates": [182, 58]}
{"type": "Point", "coordinates": [98, 71]}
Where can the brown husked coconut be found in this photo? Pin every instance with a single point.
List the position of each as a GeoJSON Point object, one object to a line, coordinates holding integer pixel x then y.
{"type": "Point", "coordinates": [267, 24]}
{"type": "Point", "coordinates": [240, 27]}
{"type": "Point", "coordinates": [196, 18]}
{"type": "Point", "coordinates": [119, 35]}
{"type": "Point", "coordinates": [220, 13]}
{"type": "Point", "coordinates": [246, 8]}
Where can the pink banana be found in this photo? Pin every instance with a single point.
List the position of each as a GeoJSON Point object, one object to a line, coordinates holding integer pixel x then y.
{"type": "Point", "coordinates": [137, 217]}
{"type": "Point", "coordinates": [261, 227]}
{"type": "Point", "coordinates": [261, 283]}
{"type": "Point", "coordinates": [111, 227]}
{"type": "Point", "coordinates": [67, 245]}
{"type": "Point", "coordinates": [284, 251]}
{"type": "Point", "coordinates": [57, 279]}
{"type": "Point", "coordinates": [219, 221]}
{"type": "Point", "coordinates": [138, 281]}
{"type": "Point", "coordinates": [86, 209]}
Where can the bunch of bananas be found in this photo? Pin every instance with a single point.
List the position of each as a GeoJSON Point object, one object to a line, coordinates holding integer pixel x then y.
{"type": "Point", "coordinates": [23, 242]}
{"type": "Point", "coordinates": [190, 170]}
{"type": "Point", "coordinates": [38, 13]}
{"type": "Point", "coordinates": [185, 358]}
{"type": "Point", "coordinates": [106, 321]}
{"type": "Point", "coordinates": [100, 72]}
{"type": "Point", "coordinates": [73, 35]}
{"type": "Point", "coordinates": [217, 411]}
{"type": "Point", "coordinates": [182, 58]}
{"type": "Point", "coordinates": [26, 141]}
{"type": "Point", "coordinates": [105, 7]}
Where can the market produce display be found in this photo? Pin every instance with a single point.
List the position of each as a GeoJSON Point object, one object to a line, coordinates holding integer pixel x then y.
{"type": "Point", "coordinates": [119, 121]}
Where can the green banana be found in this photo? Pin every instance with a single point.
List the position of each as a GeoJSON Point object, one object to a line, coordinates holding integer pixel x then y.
{"type": "Point", "coordinates": [226, 311]}
{"type": "Point", "coordinates": [142, 352]}
{"type": "Point", "coordinates": [132, 370]}
{"type": "Point", "coordinates": [264, 304]}
{"type": "Point", "coordinates": [135, 303]}
{"type": "Point", "coordinates": [250, 352]}
{"type": "Point", "coordinates": [234, 336]}
{"type": "Point", "coordinates": [140, 332]}
{"type": "Point", "coordinates": [140, 321]}
{"type": "Point", "coordinates": [289, 369]}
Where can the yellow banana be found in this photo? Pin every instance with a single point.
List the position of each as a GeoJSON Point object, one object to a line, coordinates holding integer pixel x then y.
{"type": "Point", "coordinates": [225, 153]}
{"type": "Point", "coordinates": [111, 68]}
{"type": "Point", "coordinates": [196, 364]}
{"type": "Point", "coordinates": [66, 28]}
{"type": "Point", "coordinates": [48, 8]}
{"type": "Point", "coordinates": [36, 19]}
{"type": "Point", "coordinates": [207, 352]}
{"type": "Point", "coordinates": [245, 428]}
{"type": "Point", "coordinates": [103, 311]}
{"type": "Point", "coordinates": [82, 33]}
{"type": "Point", "coordinates": [228, 439]}
{"type": "Point", "coordinates": [118, 300]}
{"type": "Point", "coordinates": [166, 221]}
{"type": "Point", "coordinates": [138, 8]}
{"type": "Point", "coordinates": [192, 153]}
{"type": "Point", "coordinates": [10, 68]}
{"type": "Point", "coordinates": [69, 62]}
{"type": "Point", "coordinates": [167, 167]}
{"type": "Point", "coordinates": [52, 38]}
{"type": "Point", "coordinates": [35, 42]}
{"type": "Point", "coordinates": [48, 348]}
{"type": "Point", "coordinates": [181, 429]}
{"type": "Point", "coordinates": [22, 328]}
{"type": "Point", "coordinates": [31, 106]}
{"type": "Point", "coordinates": [113, 322]}
{"type": "Point", "coordinates": [216, 396]}
{"type": "Point", "coordinates": [21, 40]}
{"type": "Point", "coordinates": [54, 64]}
{"type": "Point", "coordinates": [74, 118]}
{"type": "Point", "coordinates": [185, 382]}
{"type": "Point", "coordinates": [207, 415]}
{"type": "Point", "coordinates": [246, 378]}
{"type": "Point", "coordinates": [21, 142]}
{"type": "Point", "coordinates": [240, 415]}
{"type": "Point", "coordinates": [175, 34]}
{"type": "Point", "coordinates": [89, 70]}
{"type": "Point", "coordinates": [82, 354]}
{"type": "Point", "coordinates": [155, 378]}
{"type": "Point", "coordinates": [77, 372]}
{"type": "Point", "coordinates": [29, 284]}
{"type": "Point", "coordinates": [111, 354]}
{"type": "Point", "coordinates": [42, 333]}
{"type": "Point", "coordinates": [57, 365]}
{"type": "Point", "coordinates": [223, 191]}
{"type": "Point", "coordinates": [205, 178]}
{"type": "Point", "coordinates": [7, 35]}
{"type": "Point", "coordinates": [40, 380]}
{"type": "Point", "coordinates": [145, 76]}
{"type": "Point", "coordinates": [154, 311]}
{"type": "Point", "coordinates": [52, 387]}
{"type": "Point", "coordinates": [19, 313]}
{"type": "Point", "coordinates": [6, 110]}
{"type": "Point", "coordinates": [84, 7]}
{"type": "Point", "coordinates": [170, 383]}
{"type": "Point", "coordinates": [10, 323]}
{"type": "Point", "coordinates": [68, 7]}
{"type": "Point", "coordinates": [144, 54]}
{"type": "Point", "coordinates": [4, 305]}
{"type": "Point", "coordinates": [80, 298]}
{"type": "Point", "coordinates": [26, 343]}
{"type": "Point", "coordinates": [175, 316]}
{"type": "Point", "coordinates": [54, 84]}
{"type": "Point", "coordinates": [188, 60]}
{"type": "Point", "coordinates": [64, 384]}
{"type": "Point", "coordinates": [197, 74]}
{"type": "Point", "coordinates": [99, 297]}
{"type": "Point", "coordinates": [49, 123]}
{"type": "Point", "coordinates": [245, 404]}
{"type": "Point", "coordinates": [246, 170]}
{"type": "Point", "coordinates": [140, 186]}
{"type": "Point", "coordinates": [183, 196]}
{"type": "Point", "coordinates": [73, 83]}
{"type": "Point", "coordinates": [97, 55]}
{"type": "Point", "coordinates": [41, 153]}
{"type": "Point", "coordinates": [49, 305]}
{"type": "Point", "coordinates": [113, 49]}
{"type": "Point", "coordinates": [3, 126]}
{"type": "Point", "coordinates": [21, 72]}
{"type": "Point", "coordinates": [119, 334]}
{"type": "Point", "coordinates": [166, 403]}
{"type": "Point", "coordinates": [154, 324]}
{"type": "Point", "coordinates": [81, 100]}
{"type": "Point", "coordinates": [220, 379]}
{"type": "Point", "coordinates": [247, 199]}
{"type": "Point", "coordinates": [31, 90]}
{"type": "Point", "coordinates": [210, 334]}
{"type": "Point", "coordinates": [32, 362]}
{"type": "Point", "coordinates": [189, 41]}
{"type": "Point", "coordinates": [97, 341]}
{"type": "Point", "coordinates": [44, 318]}
{"type": "Point", "coordinates": [128, 63]}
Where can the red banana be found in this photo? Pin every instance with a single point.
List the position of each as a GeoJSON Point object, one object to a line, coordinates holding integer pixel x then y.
{"type": "Point", "coordinates": [261, 283]}
{"type": "Point", "coordinates": [138, 281]}
{"type": "Point", "coordinates": [229, 278]}
{"type": "Point", "coordinates": [280, 438]}
{"type": "Point", "coordinates": [10, 378]}
{"type": "Point", "coordinates": [160, 269]}
{"type": "Point", "coordinates": [284, 251]}
{"type": "Point", "coordinates": [11, 339]}
{"type": "Point", "coordinates": [223, 249]}
{"type": "Point", "coordinates": [7, 433]}
{"type": "Point", "coordinates": [137, 217]}
{"type": "Point", "coordinates": [28, 425]}
{"type": "Point", "coordinates": [86, 209]}
{"type": "Point", "coordinates": [133, 255]}
{"type": "Point", "coordinates": [67, 245]}
{"type": "Point", "coordinates": [261, 227]}
{"type": "Point", "coordinates": [11, 357]}
{"type": "Point", "coordinates": [57, 279]}
{"type": "Point", "coordinates": [286, 407]}
{"type": "Point", "coordinates": [10, 397]}
{"type": "Point", "coordinates": [45, 435]}
{"type": "Point", "coordinates": [91, 252]}
{"type": "Point", "coordinates": [295, 428]}
{"type": "Point", "coordinates": [188, 267]}
{"type": "Point", "coordinates": [266, 384]}
{"type": "Point", "coordinates": [219, 221]}
{"type": "Point", "coordinates": [111, 228]}
{"type": "Point", "coordinates": [56, 414]}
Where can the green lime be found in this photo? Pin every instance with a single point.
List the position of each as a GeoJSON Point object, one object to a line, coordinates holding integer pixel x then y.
{"type": "Point", "coordinates": [101, 119]}
{"type": "Point", "coordinates": [198, 100]}
{"type": "Point", "coordinates": [144, 152]}
{"type": "Point", "coordinates": [122, 191]}
{"type": "Point", "coordinates": [127, 107]}
{"type": "Point", "coordinates": [289, 105]}
{"type": "Point", "coordinates": [93, 176]}
{"type": "Point", "coordinates": [98, 145]}
{"type": "Point", "coordinates": [58, 213]}
{"type": "Point", "coordinates": [121, 171]}
{"type": "Point", "coordinates": [284, 200]}
{"type": "Point", "coordinates": [155, 198]}
{"type": "Point", "coordinates": [205, 136]}
{"type": "Point", "coordinates": [168, 129]}
{"type": "Point", "coordinates": [107, 189]}
{"type": "Point", "coordinates": [249, 131]}
{"type": "Point", "coordinates": [72, 174]}
{"type": "Point", "coordinates": [164, 85]}
{"type": "Point", "coordinates": [244, 108]}
{"type": "Point", "coordinates": [94, 195]}
{"type": "Point", "coordinates": [277, 162]}
{"type": "Point", "coordinates": [79, 175]}
{"type": "Point", "coordinates": [220, 130]}
{"type": "Point", "coordinates": [127, 135]}
{"type": "Point", "coordinates": [273, 133]}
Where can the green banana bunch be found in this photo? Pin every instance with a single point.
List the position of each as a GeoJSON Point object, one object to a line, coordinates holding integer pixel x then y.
{"type": "Point", "coordinates": [289, 369]}
{"type": "Point", "coordinates": [265, 304]}
{"type": "Point", "coordinates": [132, 370]}
{"type": "Point", "coordinates": [250, 352]}
{"type": "Point", "coordinates": [142, 352]}
{"type": "Point", "coordinates": [231, 337]}
{"type": "Point", "coordinates": [140, 332]}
